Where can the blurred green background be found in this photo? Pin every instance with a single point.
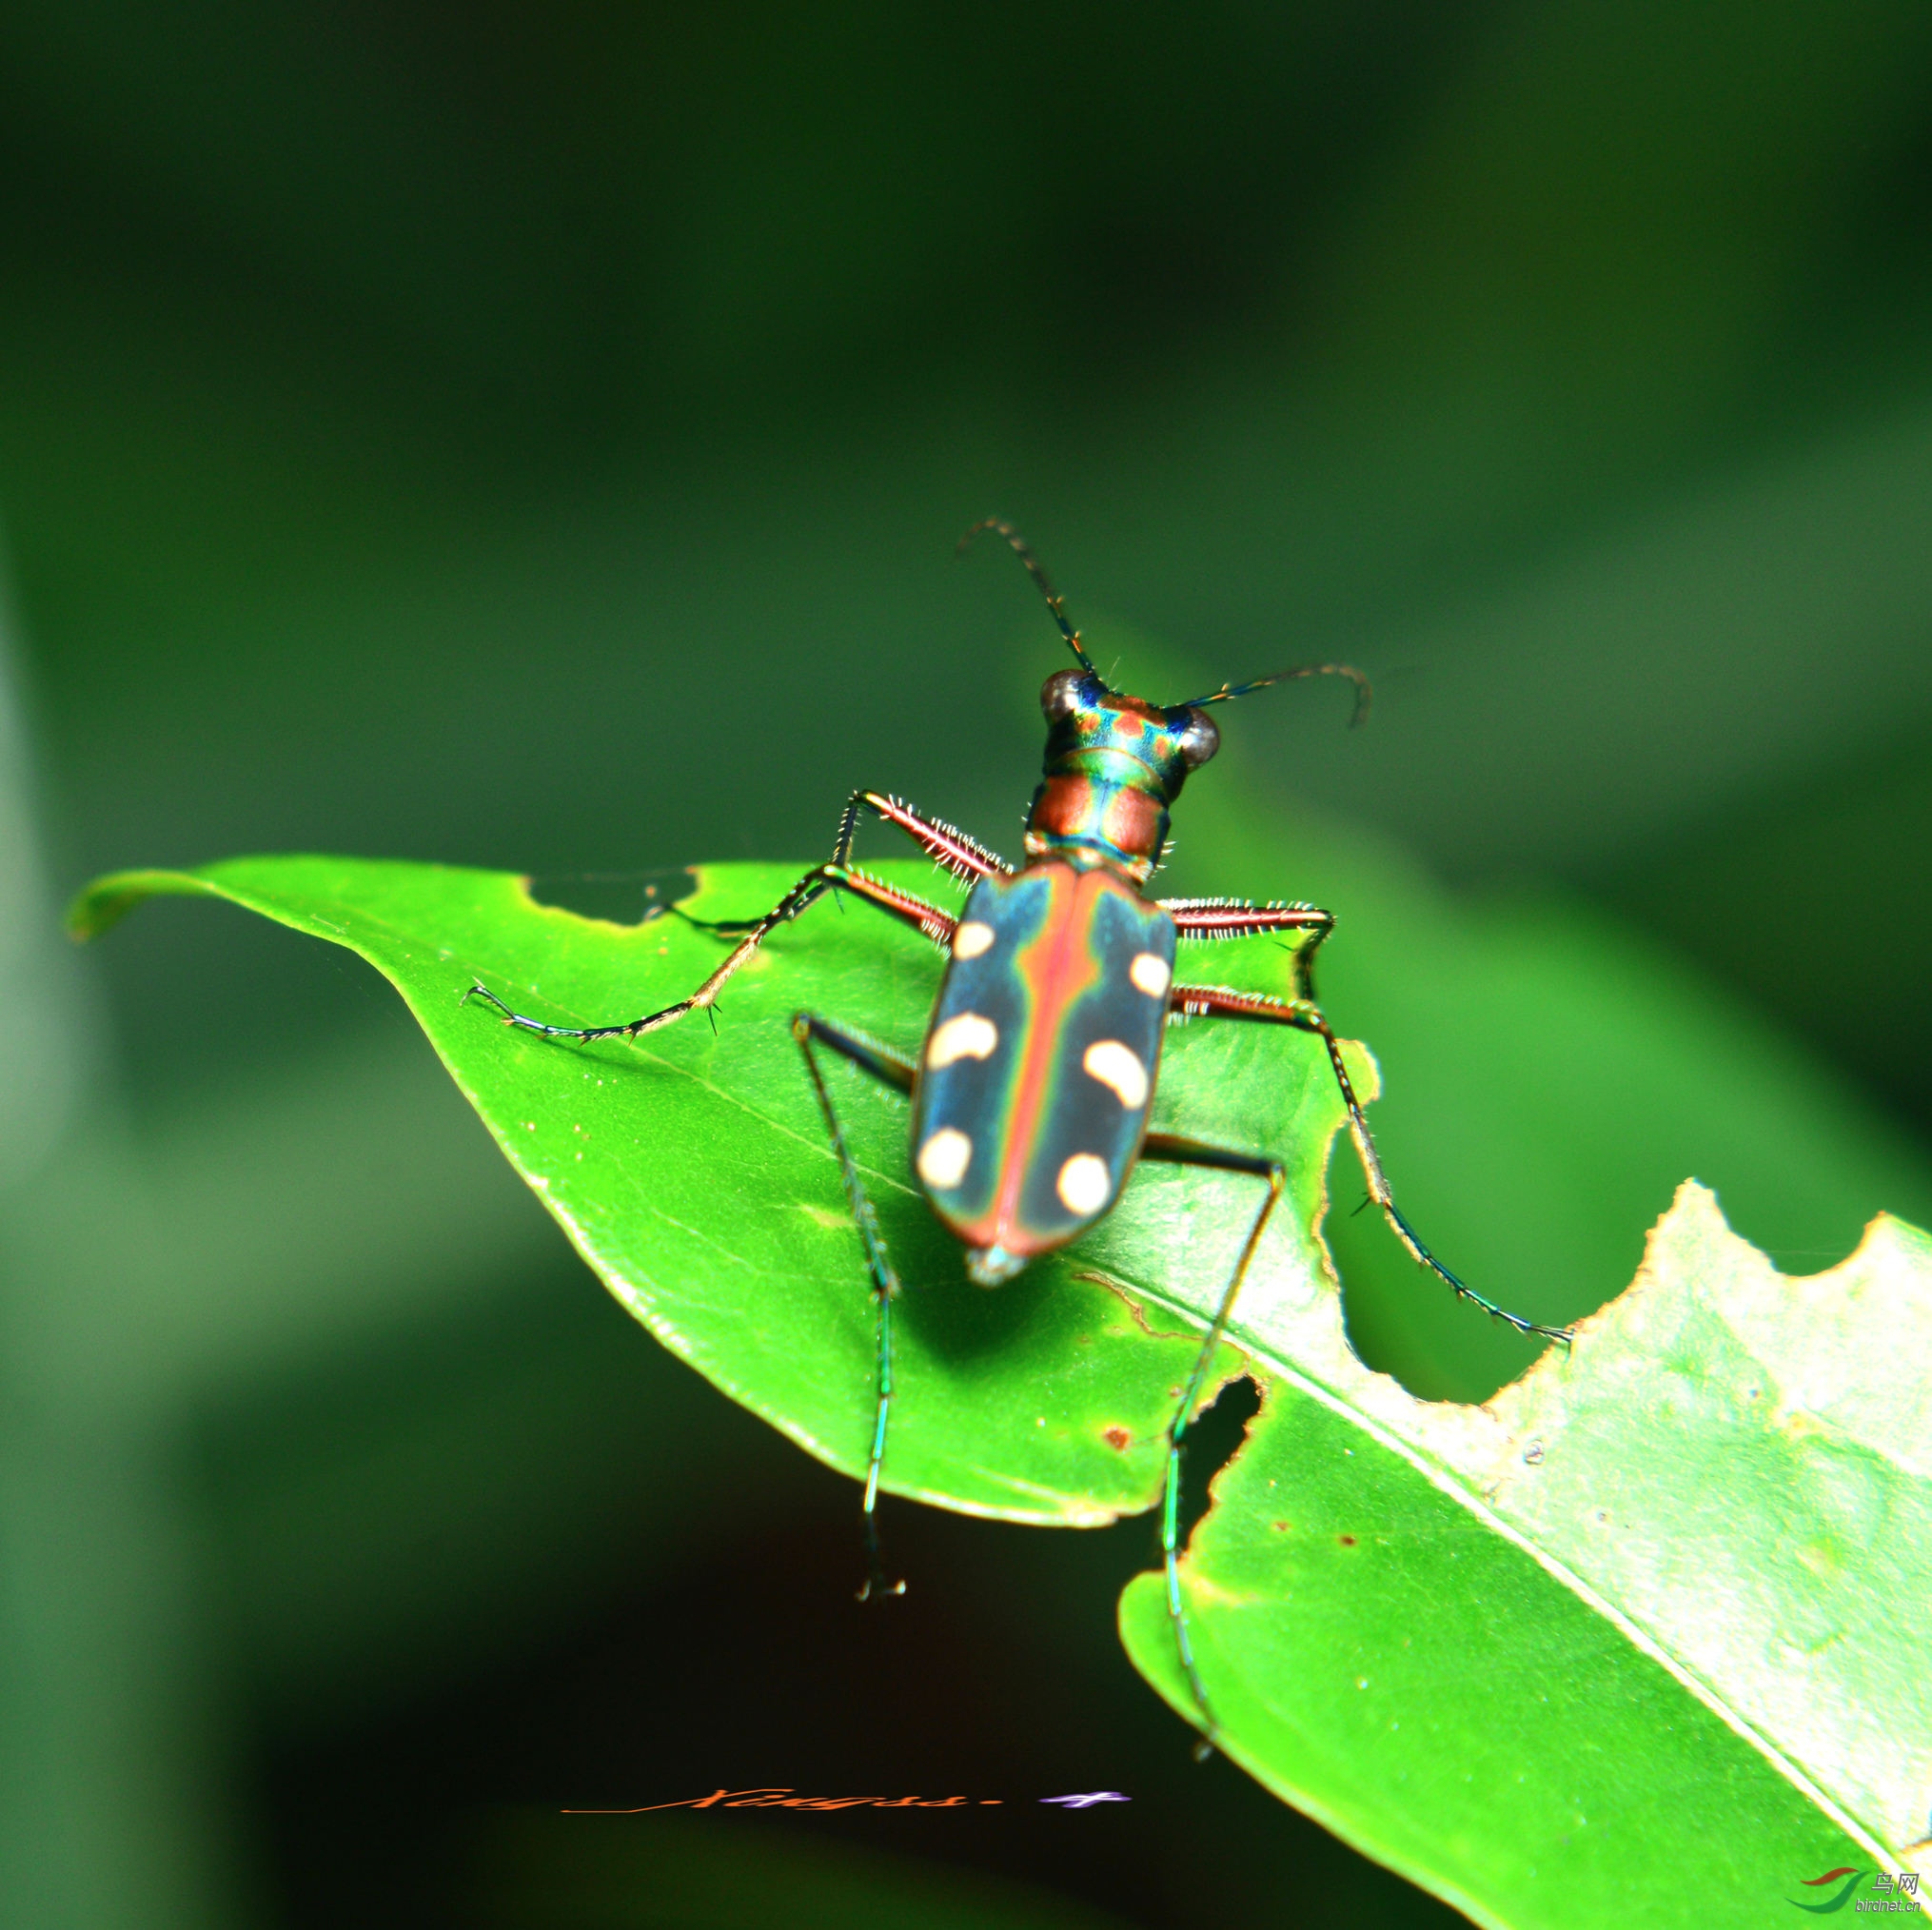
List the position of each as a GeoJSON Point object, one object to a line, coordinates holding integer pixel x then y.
{"type": "Point", "coordinates": [535, 439]}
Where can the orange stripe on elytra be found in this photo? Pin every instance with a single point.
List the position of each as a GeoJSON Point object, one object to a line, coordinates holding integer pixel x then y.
{"type": "Point", "coordinates": [1057, 968]}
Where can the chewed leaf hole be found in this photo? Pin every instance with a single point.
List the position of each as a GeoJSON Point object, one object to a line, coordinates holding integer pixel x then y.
{"type": "Point", "coordinates": [1213, 1441]}
{"type": "Point", "coordinates": [614, 898]}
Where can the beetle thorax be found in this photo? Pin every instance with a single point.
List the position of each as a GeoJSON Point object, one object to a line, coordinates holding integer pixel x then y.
{"type": "Point", "coordinates": [1113, 764]}
{"type": "Point", "coordinates": [1091, 816]}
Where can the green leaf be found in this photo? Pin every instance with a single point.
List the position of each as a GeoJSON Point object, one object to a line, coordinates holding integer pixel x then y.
{"type": "Point", "coordinates": [693, 1172]}
{"type": "Point", "coordinates": [1630, 1644]}
{"type": "Point", "coordinates": [1666, 1593]}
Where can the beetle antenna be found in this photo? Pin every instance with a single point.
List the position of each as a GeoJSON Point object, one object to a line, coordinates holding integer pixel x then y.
{"type": "Point", "coordinates": [1022, 550]}
{"type": "Point", "coordinates": [1229, 691]}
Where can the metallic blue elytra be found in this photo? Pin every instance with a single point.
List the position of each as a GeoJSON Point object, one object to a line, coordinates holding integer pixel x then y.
{"type": "Point", "coordinates": [1039, 1064]}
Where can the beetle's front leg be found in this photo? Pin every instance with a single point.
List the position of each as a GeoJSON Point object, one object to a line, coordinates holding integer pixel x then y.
{"type": "Point", "coordinates": [1220, 1002]}
{"type": "Point", "coordinates": [964, 856]}
{"type": "Point", "coordinates": [930, 920]}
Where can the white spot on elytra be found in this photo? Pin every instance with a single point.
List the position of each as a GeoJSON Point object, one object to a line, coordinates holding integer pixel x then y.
{"type": "Point", "coordinates": [1084, 1183]}
{"type": "Point", "coordinates": [944, 1157]}
{"type": "Point", "coordinates": [971, 939]}
{"type": "Point", "coordinates": [1119, 1067]}
{"type": "Point", "coordinates": [964, 1036]}
{"type": "Point", "coordinates": [1150, 974]}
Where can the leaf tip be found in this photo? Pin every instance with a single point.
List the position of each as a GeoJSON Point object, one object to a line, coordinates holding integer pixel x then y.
{"type": "Point", "coordinates": [103, 902]}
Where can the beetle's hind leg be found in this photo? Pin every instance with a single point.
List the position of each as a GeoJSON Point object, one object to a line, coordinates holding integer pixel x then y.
{"type": "Point", "coordinates": [1166, 1146]}
{"type": "Point", "coordinates": [1218, 1001]}
{"type": "Point", "coordinates": [890, 1069]}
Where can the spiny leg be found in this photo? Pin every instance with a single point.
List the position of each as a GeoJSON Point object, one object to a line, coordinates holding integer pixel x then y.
{"type": "Point", "coordinates": [1219, 1001]}
{"type": "Point", "coordinates": [936, 924]}
{"type": "Point", "coordinates": [945, 844]}
{"type": "Point", "coordinates": [1196, 920]}
{"type": "Point", "coordinates": [1179, 1151]}
{"type": "Point", "coordinates": [964, 856]}
{"type": "Point", "coordinates": [893, 1069]}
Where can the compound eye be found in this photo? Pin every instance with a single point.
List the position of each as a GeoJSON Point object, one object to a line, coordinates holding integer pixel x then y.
{"type": "Point", "coordinates": [1060, 695]}
{"type": "Point", "coordinates": [1196, 736]}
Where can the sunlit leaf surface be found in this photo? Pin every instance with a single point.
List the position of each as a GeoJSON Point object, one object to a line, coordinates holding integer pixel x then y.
{"type": "Point", "coordinates": [1670, 1588]}
{"type": "Point", "coordinates": [692, 1170]}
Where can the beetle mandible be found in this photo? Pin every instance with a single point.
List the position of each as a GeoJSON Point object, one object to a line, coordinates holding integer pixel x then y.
{"type": "Point", "coordinates": [1033, 1086]}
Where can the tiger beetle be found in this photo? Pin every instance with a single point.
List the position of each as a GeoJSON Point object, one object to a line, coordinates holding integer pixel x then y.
{"type": "Point", "coordinates": [1032, 1089]}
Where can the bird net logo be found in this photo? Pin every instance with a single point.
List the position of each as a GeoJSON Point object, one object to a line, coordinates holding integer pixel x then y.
{"type": "Point", "coordinates": [1839, 1889]}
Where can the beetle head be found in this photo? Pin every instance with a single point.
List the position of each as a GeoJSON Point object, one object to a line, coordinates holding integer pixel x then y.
{"type": "Point", "coordinates": [1094, 729]}
{"type": "Point", "coordinates": [1115, 762]}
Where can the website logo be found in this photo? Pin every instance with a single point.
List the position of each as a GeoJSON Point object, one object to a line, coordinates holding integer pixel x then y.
{"type": "Point", "coordinates": [1891, 1890]}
